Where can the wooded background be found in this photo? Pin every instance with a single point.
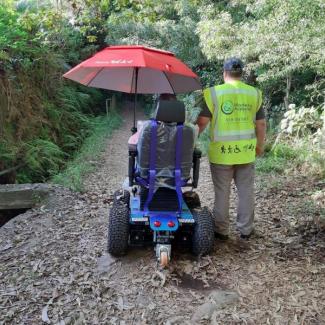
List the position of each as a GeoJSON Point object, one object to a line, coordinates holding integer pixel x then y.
{"type": "Point", "coordinates": [44, 119]}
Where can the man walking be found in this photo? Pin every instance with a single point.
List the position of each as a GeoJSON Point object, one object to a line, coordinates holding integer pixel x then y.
{"type": "Point", "coordinates": [237, 135]}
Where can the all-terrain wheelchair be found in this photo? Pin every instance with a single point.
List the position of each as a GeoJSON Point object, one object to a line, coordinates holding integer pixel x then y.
{"type": "Point", "coordinates": [154, 208]}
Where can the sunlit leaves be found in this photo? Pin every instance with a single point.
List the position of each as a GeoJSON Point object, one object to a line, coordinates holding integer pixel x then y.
{"type": "Point", "coordinates": [282, 37]}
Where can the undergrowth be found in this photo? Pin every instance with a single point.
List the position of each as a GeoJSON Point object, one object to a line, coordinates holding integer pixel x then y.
{"type": "Point", "coordinates": [84, 161]}
{"type": "Point", "coordinates": [43, 118]}
{"type": "Point", "coordinates": [45, 140]}
{"type": "Point", "coordinates": [278, 159]}
{"type": "Point", "coordinates": [291, 157]}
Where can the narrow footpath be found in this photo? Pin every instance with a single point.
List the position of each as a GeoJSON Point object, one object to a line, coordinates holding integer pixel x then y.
{"type": "Point", "coordinates": [54, 268]}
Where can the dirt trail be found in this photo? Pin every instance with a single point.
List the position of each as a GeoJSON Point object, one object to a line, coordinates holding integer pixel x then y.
{"type": "Point", "coordinates": [54, 269]}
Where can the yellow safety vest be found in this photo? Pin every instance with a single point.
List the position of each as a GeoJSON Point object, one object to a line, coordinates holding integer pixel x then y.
{"type": "Point", "coordinates": [233, 106]}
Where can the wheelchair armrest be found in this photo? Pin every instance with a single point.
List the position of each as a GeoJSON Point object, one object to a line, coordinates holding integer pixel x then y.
{"type": "Point", "coordinates": [197, 154]}
{"type": "Point", "coordinates": [132, 155]}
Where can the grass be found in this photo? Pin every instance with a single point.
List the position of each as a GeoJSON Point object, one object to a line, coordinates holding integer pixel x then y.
{"type": "Point", "coordinates": [83, 163]}
{"type": "Point", "coordinates": [279, 159]}
{"type": "Point", "coordinates": [291, 157]}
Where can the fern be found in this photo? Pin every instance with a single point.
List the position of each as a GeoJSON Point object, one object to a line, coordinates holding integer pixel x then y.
{"type": "Point", "coordinates": [44, 157]}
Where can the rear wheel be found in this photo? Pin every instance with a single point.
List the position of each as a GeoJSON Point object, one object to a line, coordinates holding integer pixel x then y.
{"type": "Point", "coordinates": [192, 199]}
{"type": "Point", "coordinates": [203, 234]}
{"type": "Point", "coordinates": [118, 227]}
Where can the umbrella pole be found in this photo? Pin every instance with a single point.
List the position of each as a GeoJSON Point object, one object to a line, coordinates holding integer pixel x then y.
{"type": "Point", "coordinates": [134, 129]}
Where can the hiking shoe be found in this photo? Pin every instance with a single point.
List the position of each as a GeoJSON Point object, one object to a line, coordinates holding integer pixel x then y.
{"type": "Point", "coordinates": [221, 236]}
{"type": "Point", "coordinates": [246, 237]}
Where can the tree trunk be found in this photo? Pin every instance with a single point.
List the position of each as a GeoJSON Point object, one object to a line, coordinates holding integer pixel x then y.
{"type": "Point", "coordinates": [322, 140]}
{"type": "Point", "coordinates": [287, 93]}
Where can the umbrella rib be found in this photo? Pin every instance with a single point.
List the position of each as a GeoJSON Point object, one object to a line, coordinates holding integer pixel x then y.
{"type": "Point", "coordinates": [101, 69]}
{"type": "Point", "coordinates": [169, 82]}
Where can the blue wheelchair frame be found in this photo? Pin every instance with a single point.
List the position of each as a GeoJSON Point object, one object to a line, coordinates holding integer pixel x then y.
{"type": "Point", "coordinates": [141, 216]}
{"type": "Point", "coordinates": [144, 216]}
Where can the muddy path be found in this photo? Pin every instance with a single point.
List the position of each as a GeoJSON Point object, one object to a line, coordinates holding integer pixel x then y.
{"type": "Point", "coordinates": [54, 268]}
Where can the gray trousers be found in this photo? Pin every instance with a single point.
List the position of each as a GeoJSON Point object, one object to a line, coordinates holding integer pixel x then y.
{"type": "Point", "coordinates": [243, 176]}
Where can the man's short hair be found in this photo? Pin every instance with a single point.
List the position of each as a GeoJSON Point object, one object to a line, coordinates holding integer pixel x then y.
{"type": "Point", "coordinates": [166, 96]}
{"type": "Point", "coordinates": [233, 67]}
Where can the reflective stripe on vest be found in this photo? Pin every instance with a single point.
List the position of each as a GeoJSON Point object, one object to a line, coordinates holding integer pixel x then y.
{"type": "Point", "coordinates": [235, 91]}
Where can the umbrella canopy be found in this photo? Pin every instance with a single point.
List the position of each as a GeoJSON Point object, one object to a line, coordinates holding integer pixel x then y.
{"type": "Point", "coordinates": [135, 69]}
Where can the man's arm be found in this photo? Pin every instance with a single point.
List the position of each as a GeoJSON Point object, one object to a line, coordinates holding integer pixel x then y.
{"type": "Point", "coordinates": [202, 122]}
{"type": "Point", "coordinates": [260, 128]}
{"type": "Point", "coordinates": [205, 114]}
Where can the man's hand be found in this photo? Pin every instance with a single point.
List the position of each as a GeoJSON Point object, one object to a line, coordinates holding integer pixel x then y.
{"type": "Point", "coordinates": [202, 122]}
{"type": "Point", "coordinates": [259, 150]}
{"type": "Point", "coordinates": [260, 136]}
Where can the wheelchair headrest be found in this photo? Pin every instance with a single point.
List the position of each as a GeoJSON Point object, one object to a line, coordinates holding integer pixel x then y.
{"type": "Point", "coordinates": [170, 111]}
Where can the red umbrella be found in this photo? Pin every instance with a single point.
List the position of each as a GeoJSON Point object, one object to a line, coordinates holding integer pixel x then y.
{"type": "Point", "coordinates": [116, 68]}
{"type": "Point", "coordinates": [135, 69]}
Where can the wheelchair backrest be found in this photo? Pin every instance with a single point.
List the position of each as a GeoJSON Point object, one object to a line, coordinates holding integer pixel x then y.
{"type": "Point", "coordinates": [168, 114]}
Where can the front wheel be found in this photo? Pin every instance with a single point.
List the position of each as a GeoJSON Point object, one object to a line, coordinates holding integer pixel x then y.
{"type": "Point", "coordinates": [122, 195]}
{"type": "Point", "coordinates": [203, 235]}
{"type": "Point", "coordinates": [164, 259]}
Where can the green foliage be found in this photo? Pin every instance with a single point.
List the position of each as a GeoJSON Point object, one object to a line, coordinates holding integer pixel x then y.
{"type": "Point", "coordinates": [43, 158]}
{"type": "Point", "coordinates": [273, 36]}
{"type": "Point", "coordinates": [295, 156]}
{"type": "Point", "coordinates": [169, 26]}
{"type": "Point", "coordinates": [43, 119]}
{"type": "Point", "coordinates": [83, 162]}
{"type": "Point", "coordinates": [192, 111]}
{"type": "Point", "coordinates": [7, 153]}
{"type": "Point", "coordinates": [302, 122]}
{"type": "Point", "coordinates": [304, 129]}
{"type": "Point", "coordinates": [281, 42]}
